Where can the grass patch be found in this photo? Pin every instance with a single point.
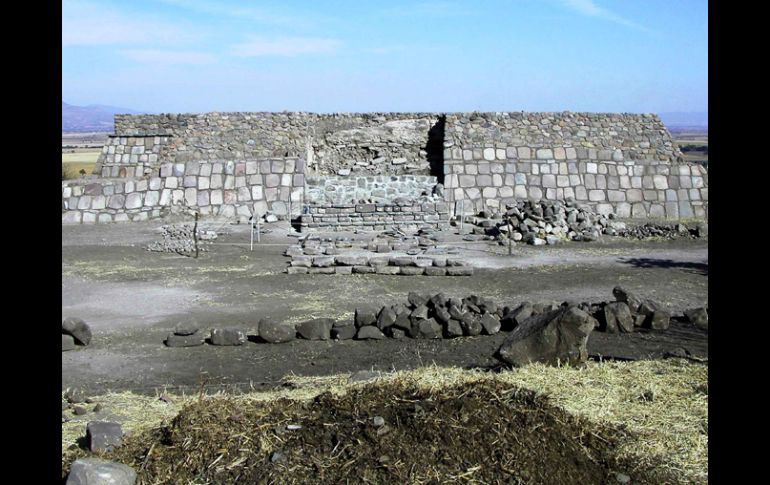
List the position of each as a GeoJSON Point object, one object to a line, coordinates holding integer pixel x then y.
{"type": "Point", "coordinates": [538, 424]}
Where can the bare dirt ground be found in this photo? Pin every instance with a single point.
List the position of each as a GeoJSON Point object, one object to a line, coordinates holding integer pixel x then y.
{"type": "Point", "coordinates": [132, 299]}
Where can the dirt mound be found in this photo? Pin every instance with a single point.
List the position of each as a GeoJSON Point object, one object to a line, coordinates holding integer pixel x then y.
{"type": "Point", "coordinates": [482, 432]}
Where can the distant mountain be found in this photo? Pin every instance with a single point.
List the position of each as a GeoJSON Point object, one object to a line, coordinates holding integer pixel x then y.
{"type": "Point", "coordinates": [94, 117]}
{"type": "Point", "coordinates": [685, 120]}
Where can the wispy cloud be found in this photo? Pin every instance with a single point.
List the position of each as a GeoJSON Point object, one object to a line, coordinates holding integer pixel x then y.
{"type": "Point", "coordinates": [88, 23]}
{"type": "Point", "coordinates": [284, 46]}
{"type": "Point", "coordinates": [159, 56]}
{"type": "Point", "coordinates": [589, 8]}
{"type": "Point", "coordinates": [255, 14]}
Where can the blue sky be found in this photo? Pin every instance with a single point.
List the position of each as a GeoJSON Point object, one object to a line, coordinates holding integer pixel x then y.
{"type": "Point", "coordinates": [345, 55]}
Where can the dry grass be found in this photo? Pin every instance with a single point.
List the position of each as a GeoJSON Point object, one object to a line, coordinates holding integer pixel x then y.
{"type": "Point", "coordinates": [662, 404]}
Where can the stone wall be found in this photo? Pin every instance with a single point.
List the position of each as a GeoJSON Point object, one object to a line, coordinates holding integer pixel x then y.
{"type": "Point", "coordinates": [427, 211]}
{"type": "Point", "coordinates": [131, 156]}
{"type": "Point", "coordinates": [624, 163]}
{"type": "Point", "coordinates": [340, 143]}
{"type": "Point", "coordinates": [214, 188]}
{"type": "Point", "coordinates": [374, 189]}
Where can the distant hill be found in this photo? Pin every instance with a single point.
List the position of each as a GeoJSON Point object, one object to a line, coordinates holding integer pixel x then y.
{"type": "Point", "coordinates": [677, 120]}
{"type": "Point", "coordinates": [94, 117]}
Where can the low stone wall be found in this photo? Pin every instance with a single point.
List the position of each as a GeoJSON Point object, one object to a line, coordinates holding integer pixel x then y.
{"type": "Point", "coordinates": [376, 217]}
{"type": "Point", "coordinates": [222, 188]}
{"type": "Point", "coordinates": [403, 265]}
{"type": "Point", "coordinates": [379, 189]}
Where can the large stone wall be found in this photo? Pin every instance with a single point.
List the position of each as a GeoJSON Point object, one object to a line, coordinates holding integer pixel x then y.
{"type": "Point", "coordinates": [626, 163]}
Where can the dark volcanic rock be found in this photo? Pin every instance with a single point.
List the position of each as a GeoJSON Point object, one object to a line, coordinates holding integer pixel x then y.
{"type": "Point", "coordinates": [316, 329]}
{"type": "Point", "coordinates": [514, 318]}
{"type": "Point", "coordinates": [442, 316]}
{"type": "Point", "coordinates": [78, 329]}
{"type": "Point", "coordinates": [365, 316]}
{"type": "Point", "coordinates": [275, 332]}
{"type": "Point", "coordinates": [429, 328]}
{"type": "Point", "coordinates": [344, 333]}
{"type": "Point", "coordinates": [698, 317]}
{"type": "Point", "coordinates": [490, 324]}
{"type": "Point", "coordinates": [421, 313]}
{"type": "Point", "coordinates": [453, 329]}
{"type": "Point", "coordinates": [369, 332]}
{"type": "Point", "coordinates": [386, 318]}
{"type": "Point", "coordinates": [625, 296]}
{"type": "Point", "coordinates": [227, 336]}
{"type": "Point", "coordinates": [471, 324]}
{"type": "Point", "coordinates": [556, 336]}
{"type": "Point", "coordinates": [658, 320]}
{"type": "Point", "coordinates": [186, 328]}
{"type": "Point", "coordinates": [103, 435]}
{"type": "Point", "coordinates": [184, 340]}
{"type": "Point", "coordinates": [617, 317]}
{"type": "Point", "coordinates": [93, 471]}
{"type": "Point", "coordinates": [67, 342]}
{"type": "Point", "coordinates": [415, 299]}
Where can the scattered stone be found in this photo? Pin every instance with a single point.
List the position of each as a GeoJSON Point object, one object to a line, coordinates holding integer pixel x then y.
{"type": "Point", "coordinates": [364, 375]}
{"type": "Point", "coordinates": [79, 410]}
{"type": "Point", "coordinates": [278, 457]}
{"type": "Point", "coordinates": [378, 421]}
{"type": "Point", "coordinates": [293, 427]}
{"type": "Point", "coordinates": [658, 320]}
{"type": "Point", "coordinates": [98, 408]}
{"type": "Point", "coordinates": [490, 324]}
{"type": "Point", "coordinates": [316, 329]}
{"type": "Point", "coordinates": [274, 332]}
{"type": "Point", "coordinates": [471, 325]}
{"type": "Point", "coordinates": [193, 340]}
{"type": "Point", "coordinates": [94, 471]}
{"type": "Point", "coordinates": [79, 330]}
{"type": "Point", "coordinates": [386, 318]}
{"type": "Point", "coordinates": [226, 336]}
{"type": "Point", "coordinates": [103, 435]}
{"type": "Point", "coordinates": [429, 328]}
{"type": "Point", "coordinates": [559, 336]}
{"type": "Point", "coordinates": [75, 396]}
{"type": "Point", "coordinates": [67, 342]}
{"type": "Point", "coordinates": [622, 478]}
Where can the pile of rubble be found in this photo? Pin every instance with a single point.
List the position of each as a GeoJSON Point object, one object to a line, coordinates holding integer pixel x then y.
{"type": "Point", "coordinates": [181, 239]}
{"type": "Point", "coordinates": [662, 230]}
{"type": "Point", "coordinates": [542, 222]}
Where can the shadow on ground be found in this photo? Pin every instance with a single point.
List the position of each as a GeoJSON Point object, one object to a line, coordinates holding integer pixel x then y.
{"type": "Point", "coordinates": [692, 267]}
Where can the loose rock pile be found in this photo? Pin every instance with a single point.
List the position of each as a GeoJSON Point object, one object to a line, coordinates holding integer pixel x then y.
{"type": "Point", "coordinates": [666, 231]}
{"type": "Point", "coordinates": [542, 222]}
{"type": "Point", "coordinates": [74, 332]}
{"type": "Point", "coordinates": [189, 335]}
{"type": "Point", "coordinates": [179, 238]}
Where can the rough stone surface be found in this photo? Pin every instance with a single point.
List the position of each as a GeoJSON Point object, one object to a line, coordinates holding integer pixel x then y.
{"type": "Point", "coordinates": [67, 342]}
{"type": "Point", "coordinates": [369, 332]}
{"type": "Point", "coordinates": [79, 330]}
{"type": "Point", "coordinates": [94, 471]}
{"type": "Point", "coordinates": [227, 337]}
{"type": "Point", "coordinates": [316, 329]}
{"type": "Point", "coordinates": [558, 336]}
{"type": "Point", "coordinates": [275, 332]}
{"type": "Point", "coordinates": [618, 318]}
{"type": "Point", "coordinates": [193, 340]}
{"type": "Point", "coordinates": [103, 435]}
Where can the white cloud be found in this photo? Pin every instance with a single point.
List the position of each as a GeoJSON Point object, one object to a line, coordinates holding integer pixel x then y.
{"type": "Point", "coordinates": [255, 14]}
{"type": "Point", "coordinates": [589, 8]}
{"type": "Point", "coordinates": [284, 46]}
{"type": "Point", "coordinates": [87, 23]}
{"type": "Point", "coordinates": [153, 56]}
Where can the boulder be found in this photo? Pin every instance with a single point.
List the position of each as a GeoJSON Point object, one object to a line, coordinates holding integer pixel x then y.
{"type": "Point", "coordinates": [627, 297]}
{"type": "Point", "coordinates": [453, 329]}
{"type": "Point", "coordinates": [275, 332]}
{"type": "Point", "coordinates": [698, 317]}
{"type": "Point", "coordinates": [438, 300]}
{"type": "Point", "coordinates": [227, 337]}
{"type": "Point", "coordinates": [93, 471]}
{"type": "Point", "coordinates": [365, 316]}
{"type": "Point", "coordinates": [490, 324]}
{"type": "Point", "coordinates": [67, 342]}
{"type": "Point", "coordinates": [416, 299]}
{"type": "Point", "coordinates": [658, 320]}
{"type": "Point", "coordinates": [193, 340]}
{"type": "Point", "coordinates": [186, 328]}
{"type": "Point", "coordinates": [78, 329]}
{"type": "Point", "coordinates": [316, 329]}
{"type": "Point", "coordinates": [396, 333]}
{"type": "Point", "coordinates": [471, 324]}
{"type": "Point", "coordinates": [386, 318]}
{"type": "Point", "coordinates": [514, 318]}
{"type": "Point", "coordinates": [617, 318]}
{"type": "Point", "coordinates": [403, 322]}
{"type": "Point", "coordinates": [429, 328]}
{"type": "Point", "coordinates": [103, 435]}
{"type": "Point", "coordinates": [369, 332]}
{"type": "Point", "coordinates": [441, 315]}
{"type": "Point", "coordinates": [558, 336]}
{"type": "Point", "coordinates": [420, 313]}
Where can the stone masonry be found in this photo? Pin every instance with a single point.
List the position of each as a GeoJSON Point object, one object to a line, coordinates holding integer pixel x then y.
{"type": "Point", "coordinates": [232, 164]}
